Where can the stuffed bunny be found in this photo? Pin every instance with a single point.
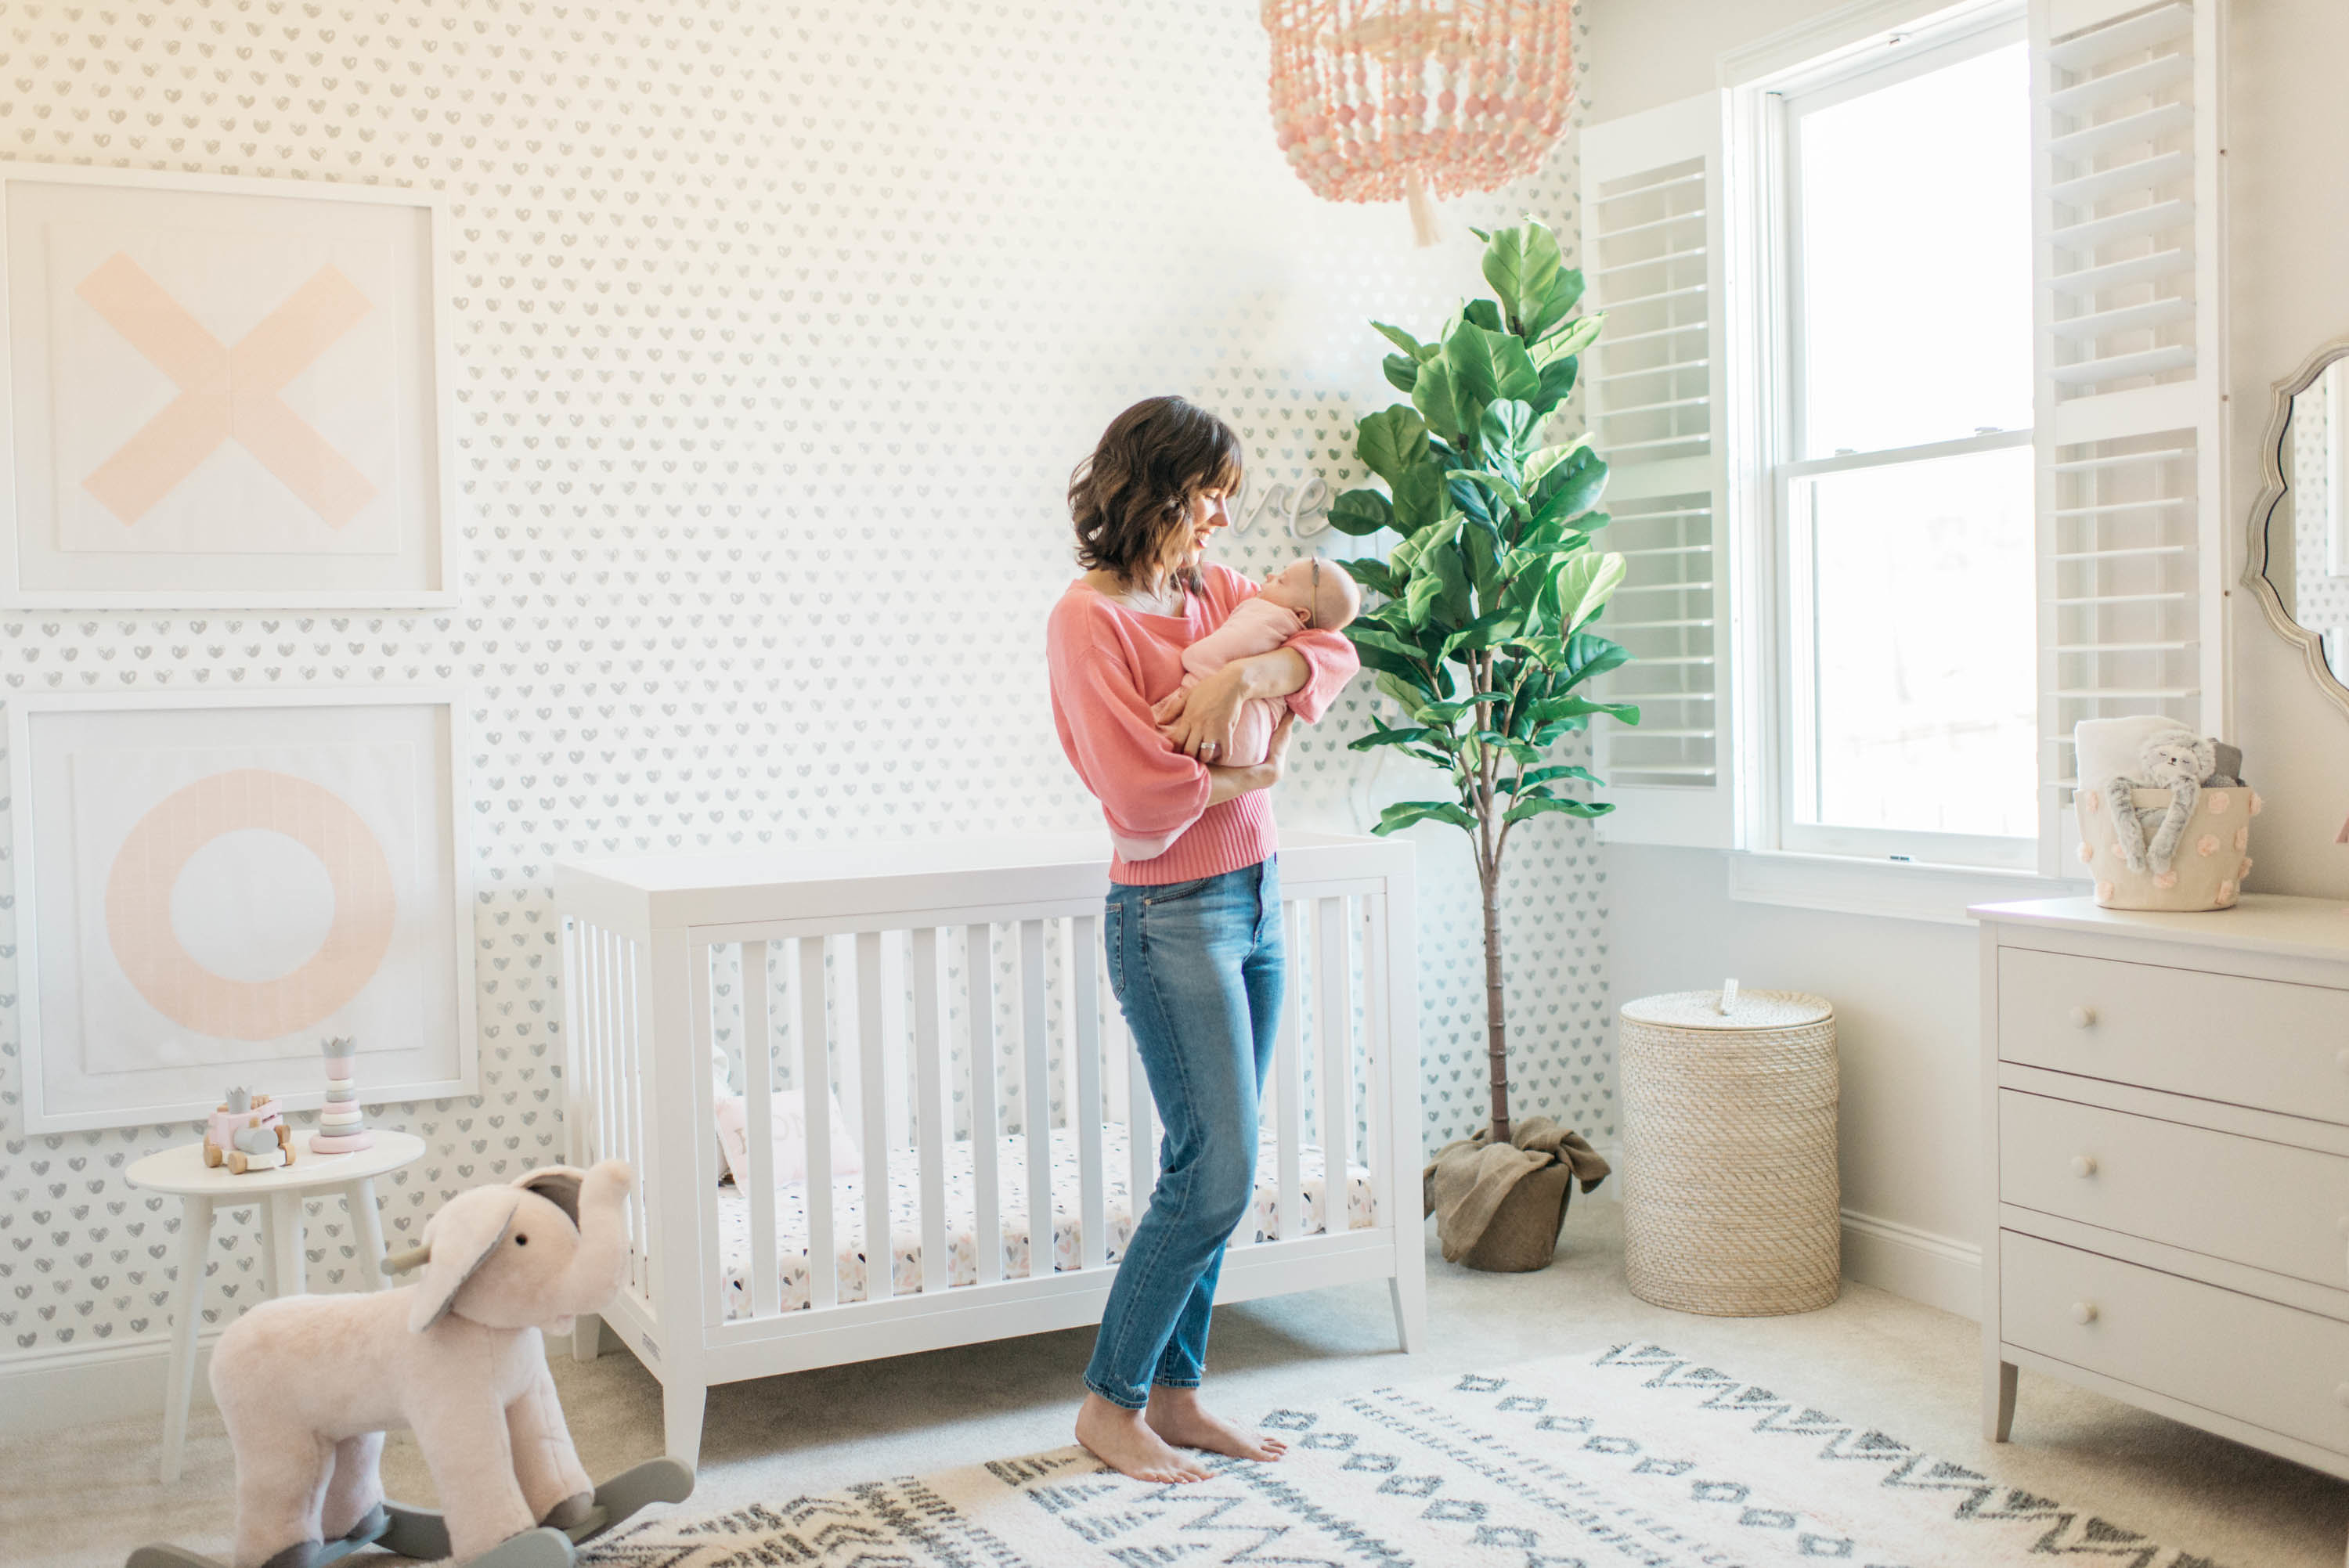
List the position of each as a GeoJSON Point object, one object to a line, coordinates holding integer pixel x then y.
{"type": "Point", "coordinates": [2176, 760]}
{"type": "Point", "coordinates": [307, 1384]}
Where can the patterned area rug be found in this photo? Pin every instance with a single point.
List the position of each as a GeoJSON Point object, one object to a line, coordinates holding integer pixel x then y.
{"type": "Point", "coordinates": [1637, 1457]}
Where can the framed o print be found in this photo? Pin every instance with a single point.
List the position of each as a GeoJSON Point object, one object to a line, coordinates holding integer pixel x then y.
{"type": "Point", "coordinates": [222, 393]}
{"type": "Point", "coordinates": [208, 886]}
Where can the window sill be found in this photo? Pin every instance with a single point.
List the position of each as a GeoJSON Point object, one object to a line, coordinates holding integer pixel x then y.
{"type": "Point", "coordinates": [1888, 889]}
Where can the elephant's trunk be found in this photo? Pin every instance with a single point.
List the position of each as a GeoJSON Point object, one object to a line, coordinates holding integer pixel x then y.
{"type": "Point", "coordinates": [603, 1257]}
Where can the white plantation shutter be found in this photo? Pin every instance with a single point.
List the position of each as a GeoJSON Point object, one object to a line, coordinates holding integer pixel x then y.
{"type": "Point", "coordinates": [2128, 186]}
{"type": "Point", "coordinates": [1652, 259]}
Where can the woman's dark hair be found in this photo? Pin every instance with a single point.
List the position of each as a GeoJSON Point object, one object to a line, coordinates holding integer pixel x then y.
{"type": "Point", "coordinates": [1138, 486]}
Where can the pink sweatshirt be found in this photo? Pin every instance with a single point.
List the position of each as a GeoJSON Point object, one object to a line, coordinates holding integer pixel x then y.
{"type": "Point", "coordinates": [1109, 664]}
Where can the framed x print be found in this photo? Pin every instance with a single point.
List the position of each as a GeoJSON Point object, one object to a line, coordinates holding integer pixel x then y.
{"type": "Point", "coordinates": [207, 886]}
{"type": "Point", "coordinates": [221, 393]}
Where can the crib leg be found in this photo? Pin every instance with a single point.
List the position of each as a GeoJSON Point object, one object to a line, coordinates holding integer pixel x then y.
{"type": "Point", "coordinates": [1408, 1291]}
{"type": "Point", "coordinates": [681, 1407]}
{"type": "Point", "coordinates": [586, 1336]}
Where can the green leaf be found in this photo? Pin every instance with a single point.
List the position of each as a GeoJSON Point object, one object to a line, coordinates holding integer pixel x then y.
{"type": "Point", "coordinates": [1382, 735]}
{"type": "Point", "coordinates": [1498, 627]}
{"type": "Point", "coordinates": [1434, 397]}
{"type": "Point", "coordinates": [1374, 574]}
{"type": "Point", "coordinates": [1585, 584]}
{"type": "Point", "coordinates": [1541, 462]}
{"type": "Point", "coordinates": [1419, 498]}
{"type": "Point", "coordinates": [1578, 336]}
{"type": "Point", "coordinates": [1540, 804]}
{"type": "Point", "coordinates": [1557, 382]}
{"type": "Point", "coordinates": [1482, 550]}
{"type": "Point", "coordinates": [1468, 497]}
{"type": "Point", "coordinates": [1403, 813]}
{"type": "Point", "coordinates": [1484, 313]}
{"type": "Point", "coordinates": [1361, 512]}
{"type": "Point", "coordinates": [1539, 775]}
{"type": "Point", "coordinates": [1522, 263]}
{"type": "Point", "coordinates": [1565, 291]}
{"type": "Point", "coordinates": [1403, 371]}
{"type": "Point", "coordinates": [1391, 442]}
{"type": "Point", "coordinates": [1486, 366]}
{"type": "Point", "coordinates": [1587, 656]}
{"type": "Point", "coordinates": [1406, 341]}
{"type": "Point", "coordinates": [1572, 488]}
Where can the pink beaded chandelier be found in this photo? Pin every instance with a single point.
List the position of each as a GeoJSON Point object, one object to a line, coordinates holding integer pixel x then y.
{"type": "Point", "coordinates": [1383, 100]}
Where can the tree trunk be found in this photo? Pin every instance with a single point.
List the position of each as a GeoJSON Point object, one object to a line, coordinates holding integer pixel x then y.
{"type": "Point", "coordinates": [1497, 1014]}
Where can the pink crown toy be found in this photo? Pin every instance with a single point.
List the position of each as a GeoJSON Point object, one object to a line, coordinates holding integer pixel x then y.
{"type": "Point", "coordinates": [342, 1125]}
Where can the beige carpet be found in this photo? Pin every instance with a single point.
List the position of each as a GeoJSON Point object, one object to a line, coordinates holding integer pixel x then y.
{"type": "Point", "coordinates": [81, 1499]}
{"type": "Point", "coordinates": [1637, 1454]}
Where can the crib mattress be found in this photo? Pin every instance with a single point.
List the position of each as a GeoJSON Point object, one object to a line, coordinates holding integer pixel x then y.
{"type": "Point", "coordinates": [904, 1181]}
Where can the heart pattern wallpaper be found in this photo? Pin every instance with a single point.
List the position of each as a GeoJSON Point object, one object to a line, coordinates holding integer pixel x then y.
{"type": "Point", "coordinates": [775, 335]}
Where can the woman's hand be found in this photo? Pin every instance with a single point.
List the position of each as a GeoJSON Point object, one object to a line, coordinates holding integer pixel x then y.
{"type": "Point", "coordinates": [1229, 783]}
{"type": "Point", "coordinates": [1201, 720]}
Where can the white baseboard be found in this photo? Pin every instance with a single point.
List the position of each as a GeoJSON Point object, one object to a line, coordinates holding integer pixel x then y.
{"type": "Point", "coordinates": [1937, 1270]}
{"type": "Point", "coordinates": [86, 1385]}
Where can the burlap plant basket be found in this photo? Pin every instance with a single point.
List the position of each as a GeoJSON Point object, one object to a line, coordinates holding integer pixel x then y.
{"type": "Point", "coordinates": [1500, 1207]}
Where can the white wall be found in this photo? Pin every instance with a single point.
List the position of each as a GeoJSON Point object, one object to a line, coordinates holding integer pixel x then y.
{"type": "Point", "coordinates": [1905, 992]}
{"type": "Point", "coordinates": [777, 330]}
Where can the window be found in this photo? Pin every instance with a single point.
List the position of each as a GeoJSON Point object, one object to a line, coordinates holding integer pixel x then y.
{"type": "Point", "coordinates": [1899, 463]}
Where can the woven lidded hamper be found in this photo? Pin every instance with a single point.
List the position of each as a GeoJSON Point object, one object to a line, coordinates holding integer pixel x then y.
{"type": "Point", "coordinates": [1731, 1203]}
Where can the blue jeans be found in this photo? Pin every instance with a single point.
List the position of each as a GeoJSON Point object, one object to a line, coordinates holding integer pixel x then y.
{"type": "Point", "coordinates": [1198, 969]}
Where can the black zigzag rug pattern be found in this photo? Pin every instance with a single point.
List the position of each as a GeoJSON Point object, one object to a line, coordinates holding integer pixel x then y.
{"type": "Point", "coordinates": [1637, 1456]}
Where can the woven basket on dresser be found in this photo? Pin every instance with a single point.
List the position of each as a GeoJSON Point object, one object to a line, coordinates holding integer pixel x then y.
{"type": "Point", "coordinates": [1731, 1204]}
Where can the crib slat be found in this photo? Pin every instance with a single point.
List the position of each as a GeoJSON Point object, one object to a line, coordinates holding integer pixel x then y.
{"type": "Point", "coordinates": [703, 1014]}
{"type": "Point", "coordinates": [758, 1129]}
{"type": "Point", "coordinates": [633, 1087]}
{"type": "Point", "coordinates": [1040, 1105]}
{"type": "Point", "coordinates": [1288, 1092]}
{"type": "Point", "coordinates": [1374, 1134]}
{"type": "Point", "coordinates": [1333, 1026]}
{"type": "Point", "coordinates": [979, 971]}
{"type": "Point", "coordinates": [932, 1134]}
{"type": "Point", "coordinates": [1084, 943]}
{"type": "Point", "coordinates": [880, 1249]}
{"type": "Point", "coordinates": [815, 1084]}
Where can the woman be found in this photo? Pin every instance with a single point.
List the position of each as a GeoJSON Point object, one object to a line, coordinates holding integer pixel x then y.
{"type": "Point", "coordinates": [1193, 931]}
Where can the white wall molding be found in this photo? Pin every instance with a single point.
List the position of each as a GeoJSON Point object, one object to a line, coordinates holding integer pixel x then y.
{"type": "Point", "coordinates": [1940, 1271]}
{"type": "Point", "coordinates": [90, 1385]}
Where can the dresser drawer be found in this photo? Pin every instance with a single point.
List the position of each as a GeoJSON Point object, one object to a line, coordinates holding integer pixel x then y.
{"type": "Point", "coordinates": [2270, 1205]}
{"type": "Point", "coordinates": [2274, 1367]}
{"type": "Point", "coordinates": [2262, 1043]}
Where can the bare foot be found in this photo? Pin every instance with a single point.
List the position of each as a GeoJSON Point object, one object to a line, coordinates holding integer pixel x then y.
{"type": "Point", "coordinates": [1122, 1440]}
{"type": "Point", "coordinates": [1177, 1415]}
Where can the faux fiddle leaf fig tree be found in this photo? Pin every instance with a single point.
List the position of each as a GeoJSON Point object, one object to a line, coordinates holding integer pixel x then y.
{"type": "Point", "coordinates": [1479, 628]}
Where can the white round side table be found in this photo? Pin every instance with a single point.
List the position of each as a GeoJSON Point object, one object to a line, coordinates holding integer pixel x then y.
{"type": "Point", "coordinates": [276, 1196]}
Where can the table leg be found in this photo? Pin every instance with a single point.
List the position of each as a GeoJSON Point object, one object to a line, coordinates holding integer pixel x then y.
{"type": "Point", "coordinates": [264, 1220]}
{"type": "Point", "coordinates": [367, 1229]}
{"type": "Point", "coordinates": [187, 1315]}
{"type": "Point", "coordinates": [292, 1275]}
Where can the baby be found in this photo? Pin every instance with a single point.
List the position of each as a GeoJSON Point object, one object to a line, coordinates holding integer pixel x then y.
{"type": "Point", "coordinates": [1305, 595]}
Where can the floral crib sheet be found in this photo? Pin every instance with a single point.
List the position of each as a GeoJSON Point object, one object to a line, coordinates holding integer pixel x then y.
{"type": "Point", "coordinates": [962, 1224]}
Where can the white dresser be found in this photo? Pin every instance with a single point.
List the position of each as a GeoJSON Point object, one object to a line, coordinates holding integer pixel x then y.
{"type": "Point", "coordinates": [2167, 1116]}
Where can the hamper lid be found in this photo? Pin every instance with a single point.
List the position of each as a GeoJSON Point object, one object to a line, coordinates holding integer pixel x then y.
{"type": "Point", "coordinates": [1748, 1010]}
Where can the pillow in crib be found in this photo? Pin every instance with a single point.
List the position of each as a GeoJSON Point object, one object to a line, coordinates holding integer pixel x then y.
{"type": "Point", "coordinates": [791, 1141]}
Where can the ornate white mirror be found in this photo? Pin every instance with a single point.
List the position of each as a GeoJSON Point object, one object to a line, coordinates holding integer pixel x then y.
{"type": "Point", "coordinates": [2298, 562]}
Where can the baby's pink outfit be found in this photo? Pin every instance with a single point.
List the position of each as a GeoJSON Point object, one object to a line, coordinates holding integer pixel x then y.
{"type": "Point", "coordinates": [1255, 627]}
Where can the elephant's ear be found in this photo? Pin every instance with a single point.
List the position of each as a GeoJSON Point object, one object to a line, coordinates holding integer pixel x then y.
{"type": "Point", "coordinates": [464, 1235]}
{"type": "Point", "coordinates": [559, 1185]}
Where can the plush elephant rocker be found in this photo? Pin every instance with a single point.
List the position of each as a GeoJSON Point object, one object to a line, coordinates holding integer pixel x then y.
{"type": "Point", "coordinates": [307, 1385]}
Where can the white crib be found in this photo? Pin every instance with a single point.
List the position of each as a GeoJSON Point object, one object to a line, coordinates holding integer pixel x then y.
{"type": "Point", "coordinates": [854, 968]}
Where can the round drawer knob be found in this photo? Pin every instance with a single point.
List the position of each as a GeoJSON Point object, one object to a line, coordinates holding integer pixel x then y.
{"type": "Point", "coordinates": [2083, 1312]}
{"type": "Point", "coordinates": [2083, 1165]}
{"type": "Point", "coordinates": [2085, 1018]}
